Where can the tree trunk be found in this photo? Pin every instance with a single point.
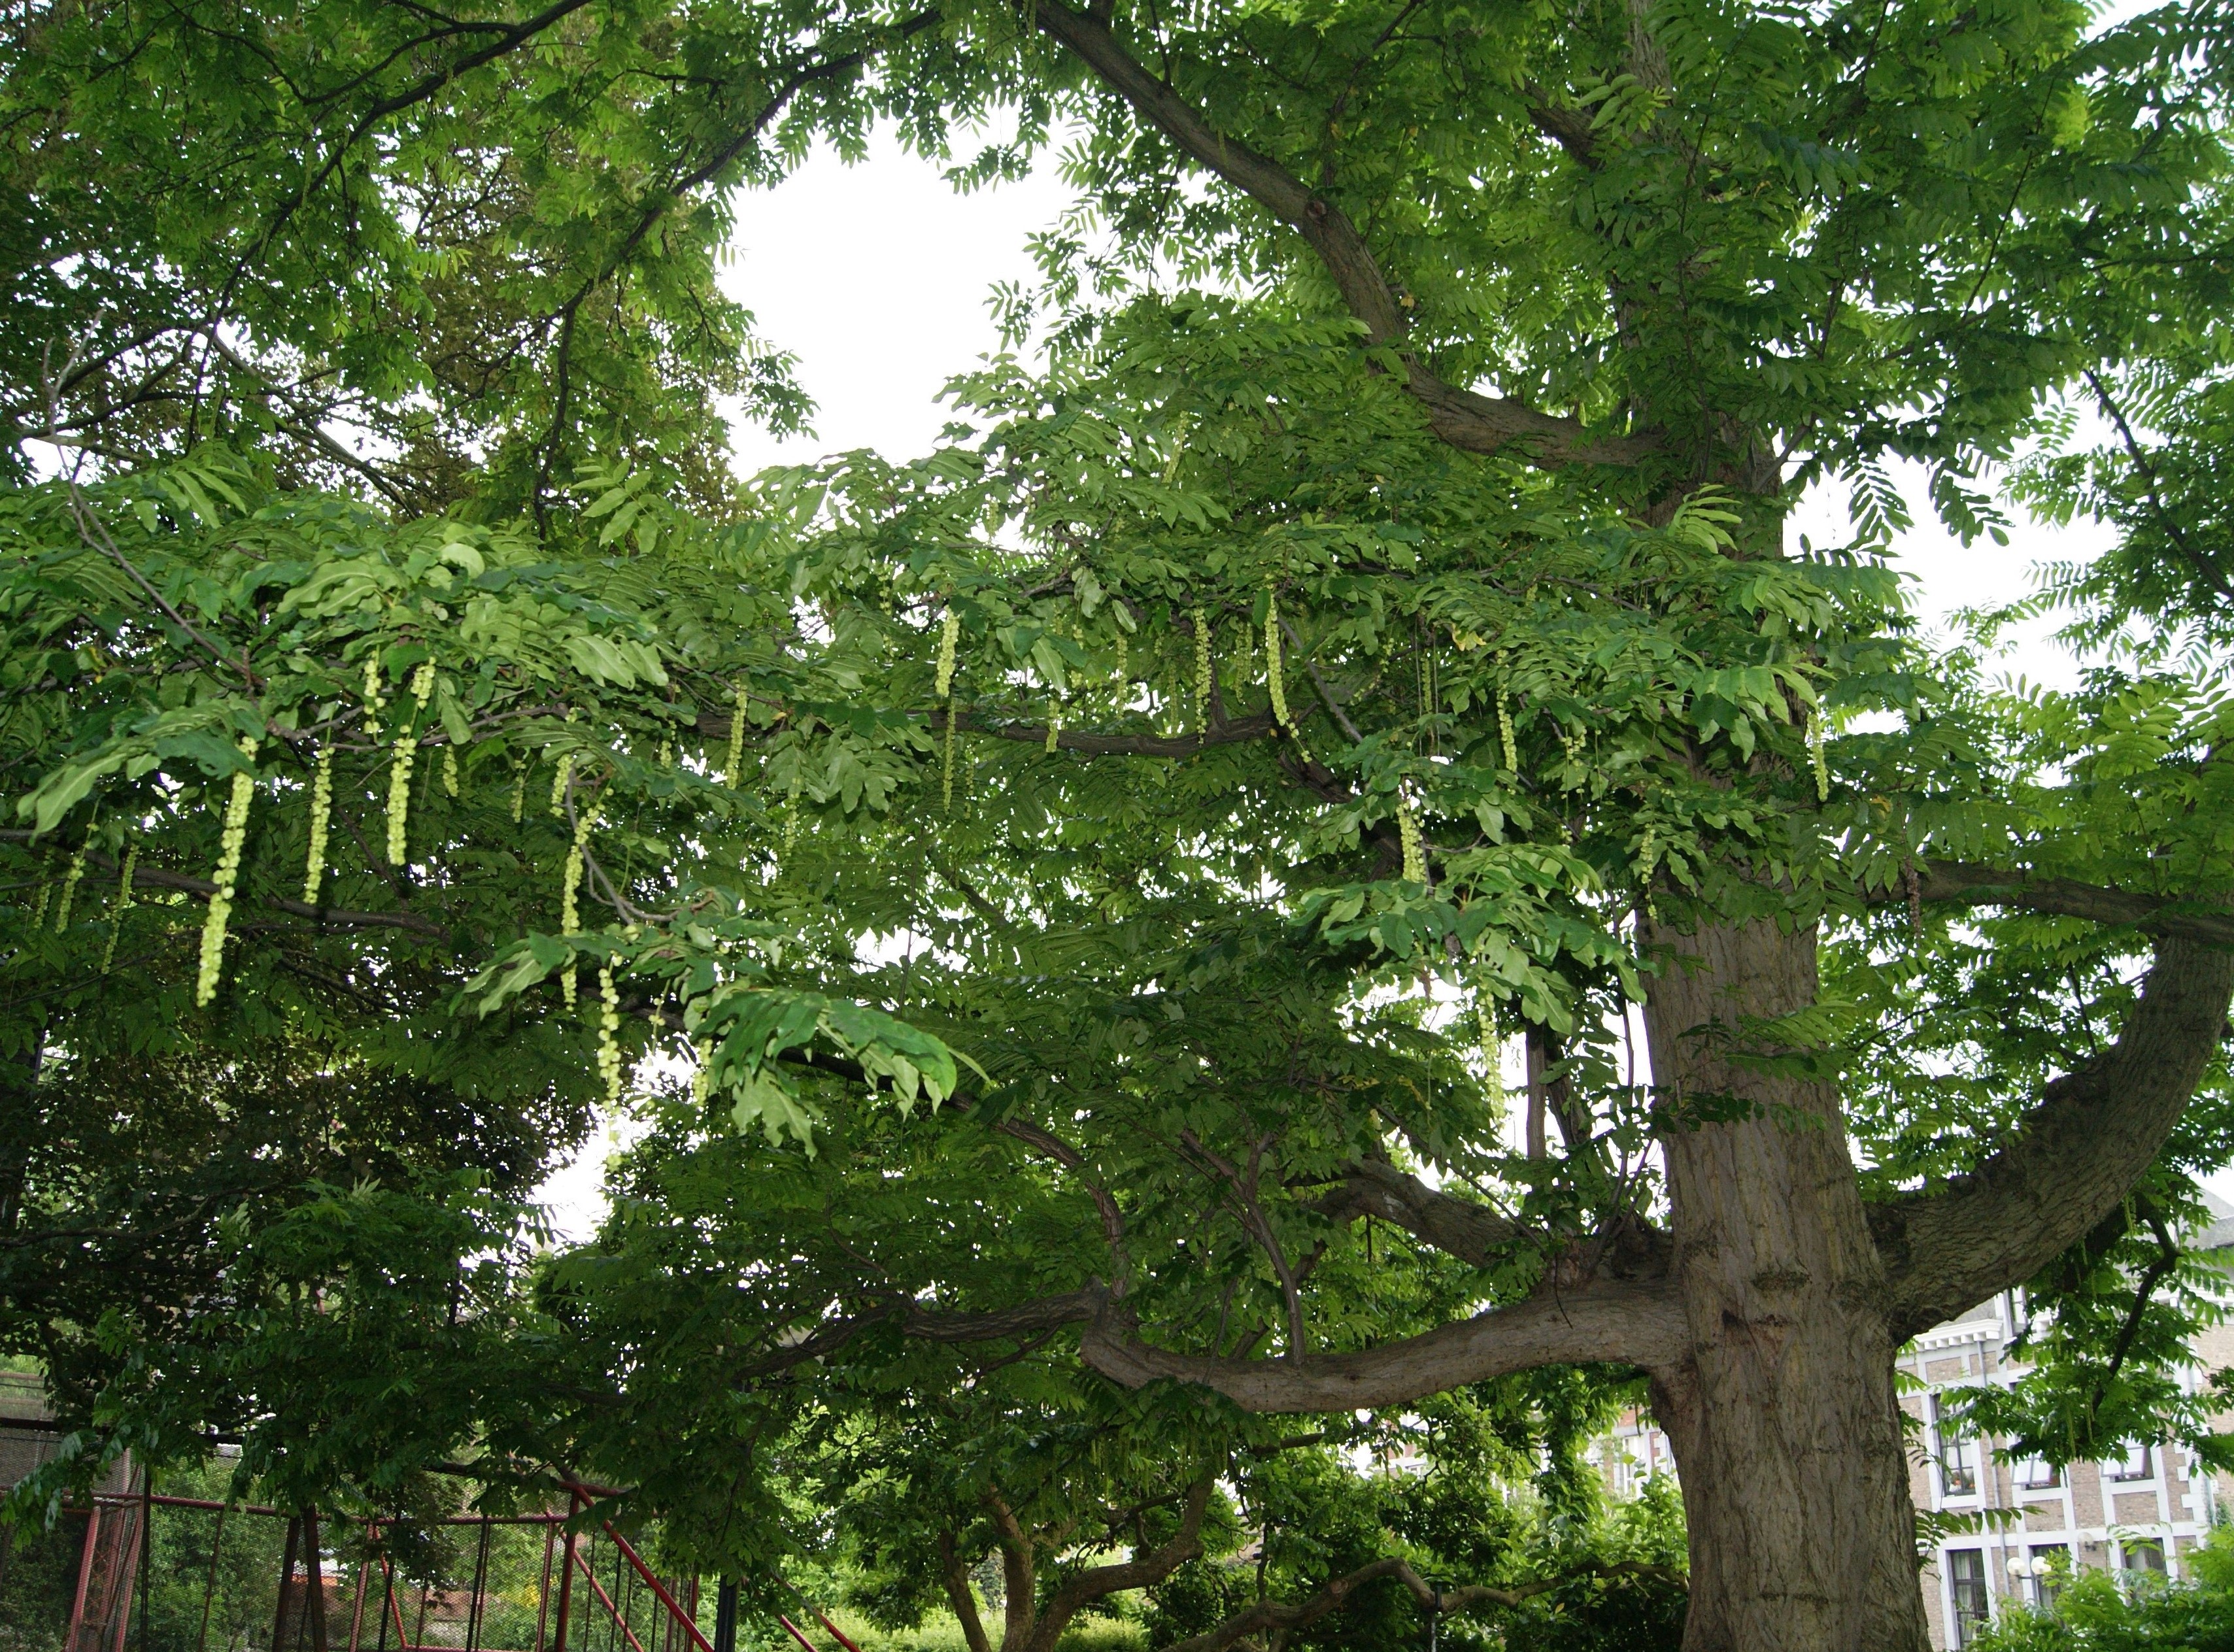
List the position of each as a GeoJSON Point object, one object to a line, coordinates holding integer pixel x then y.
{"type": "Point", "coordinates": [1786, 1435]}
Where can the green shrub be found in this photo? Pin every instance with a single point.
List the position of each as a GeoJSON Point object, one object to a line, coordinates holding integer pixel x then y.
{"type": "Point", "coordinates": [2094, 1615]}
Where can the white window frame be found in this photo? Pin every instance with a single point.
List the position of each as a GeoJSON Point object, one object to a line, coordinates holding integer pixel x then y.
{"type": "Point", "coordinates": [1960, 1449]}
{"type": "Point", "coordinates": [2138, 1463]}
{"type": "Point", "coordinates": [1960, 1626]}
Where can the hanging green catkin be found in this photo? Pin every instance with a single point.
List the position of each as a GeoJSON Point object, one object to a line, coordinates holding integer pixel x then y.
{"type": "Point", "coordinates": [373, 702]}
{"type": "Point", "coordinates": [608, 1026]}
{"type": "Point", "coordinates": [1202, 683]}
{"type": "Point", "coordinates": [667, 753]}
{"type": "Point", "coordinates": [570, 908]}
{"type": "Point", "coordinates": [71, 878]}
{"type": "Point", "coordinates": [1504, 734]}
{"type": "Point", "coordinates": [1492, 1049]}
{"type": "Point", "coordinates": [519, 769]}
{"type": "Point", "coordinates": [791, 807]}
{"type": "Point", "coordinates": [234, 835]}
{"type": "Point", "coordinates": [1416, 852]}
{"type": "Point", "coordinates": [322, 811]}
{"type": "Point", "coordinates": [123, 904]}
{"type": "Point", "coordinates": [1819, 758]}
{"type": "Point", "coordinates": [950, 632]}
{"type": "Point", "coordinates": [733, 772]}
{"type": "Point", "coordinates": [560, 780]}
{"type": "Point", "coordinates": [399, 773]}
{"type": "Point", "coordinates": [450, 771]}
{"type": "Point", "coordinates": [702, 1076]}
{"type": "Point", "coordinates": [1055, 726]}
{"type": "Point", "coordinates": [1124, 652]}
{"type": "Point", "coordinates": [1273, 679]}
{"type": "Point", "coordinates": [1648, 859]}
{"type": "Point", "coordinates": [46, 897]}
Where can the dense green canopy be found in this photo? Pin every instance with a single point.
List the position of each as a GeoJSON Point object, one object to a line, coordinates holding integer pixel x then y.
{"type": "Point", "coordinates": [1094, 872]}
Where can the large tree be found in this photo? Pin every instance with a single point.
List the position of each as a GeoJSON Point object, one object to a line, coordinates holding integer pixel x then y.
{"type": "Point", "coordinates": [1553, 315]}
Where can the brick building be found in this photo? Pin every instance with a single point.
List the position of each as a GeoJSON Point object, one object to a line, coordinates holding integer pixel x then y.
{"type": "Point", "coordinates": [2139, 1514]}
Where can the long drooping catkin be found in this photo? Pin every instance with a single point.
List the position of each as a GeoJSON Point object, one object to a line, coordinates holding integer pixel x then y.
{"type": "Point", "coordinates": [322, 811]}
{"type": "Point", "coordinates": [733, 771]}
{"type": "Point", "coordinates": [608, 1026]}
{"type": "Point", "coordinates": [1202, 670]}
{"type": "Point", "coordinates": [399, 775]}
{"type": "Point", "coordinates": [123, 905]}
{"type": "Point", "coordinates": [1416, 853]}
{"type": "Point", "coordinates": [71, 878]}
{"type": "Point", "coordinates": [234, 835]}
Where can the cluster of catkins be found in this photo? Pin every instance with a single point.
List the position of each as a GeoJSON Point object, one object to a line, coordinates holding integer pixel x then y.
{"type": "Point", "coordinates": [399, 774]}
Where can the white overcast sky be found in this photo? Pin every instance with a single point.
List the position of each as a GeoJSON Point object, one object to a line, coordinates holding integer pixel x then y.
{"type": "Point", "coordinates": [876, 277]}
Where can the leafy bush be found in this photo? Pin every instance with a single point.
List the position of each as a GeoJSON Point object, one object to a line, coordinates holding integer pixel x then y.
{"type": "Point", "coordinates": [2093, 1614]}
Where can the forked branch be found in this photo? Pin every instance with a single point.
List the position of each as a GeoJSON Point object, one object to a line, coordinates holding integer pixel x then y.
{"type": "Point", "coordinates": [1476, 423]}
{"type": "Point", "coordinates": [1147, 1566]}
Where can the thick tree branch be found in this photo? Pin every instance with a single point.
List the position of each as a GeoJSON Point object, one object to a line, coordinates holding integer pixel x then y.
{"type": "Point", "coordinates": [1112, 1219]}
{"type": "Point", "coordinates": [1272, 1616]}
{"type": "Point", "coordinates": [146, 877]}
{"type": "Point", "coordinates": [2072, 1159]}
{"type": "Point", "coordinates": [1634, 1323]}
{"type": "Point", "coordinates": [1029, 1319]}
{"type": "Point", "coordinates": [1959, 883]}
{"type": "Point", "coordinates": [1472, 1233]}
{"type": "Point", "coordinates": [953, 1576]}
{"type": "Point", "coordinates": [1099, 1582]}
{"type": "Point", "coordinates": [1020, 1583]}
{"type": "Point", "coordinates": [1279, 1617]}
{"type": "Point", "coordinates": [1476, 423]}
{"type": "Point", "coordinates": [1257, 725]}
{"type": "Point", "coordinates": [1049, 1313]}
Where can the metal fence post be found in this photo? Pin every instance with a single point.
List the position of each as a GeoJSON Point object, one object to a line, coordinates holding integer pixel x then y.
{"type": "Point", "coordinates": [565, 1575]}
{"type": "Point", "coordinates": [725, 1616]}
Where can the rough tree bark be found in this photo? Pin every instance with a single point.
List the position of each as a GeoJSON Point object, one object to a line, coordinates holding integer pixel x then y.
{"type": "Point", "coordinates": [1779, 1406]}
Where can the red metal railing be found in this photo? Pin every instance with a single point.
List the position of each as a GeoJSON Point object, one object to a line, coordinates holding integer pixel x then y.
{"type": "Point", "coordinates": [322, 1607]}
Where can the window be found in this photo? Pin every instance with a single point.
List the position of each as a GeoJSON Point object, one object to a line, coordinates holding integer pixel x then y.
{"type": "Point", "coordinates": [1966, 1588]}
{"type": "Point", "coordinates": [2142, 1559]}
{"type": "Point", "coordinates": [2133, 1466]}
{"type": "Point", "coordinates": [2033, 1475]}
{"type": "Point", "coordinates": [1958, 1463]}
{"type": "Point", "coordinates": [2051, 1572]}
